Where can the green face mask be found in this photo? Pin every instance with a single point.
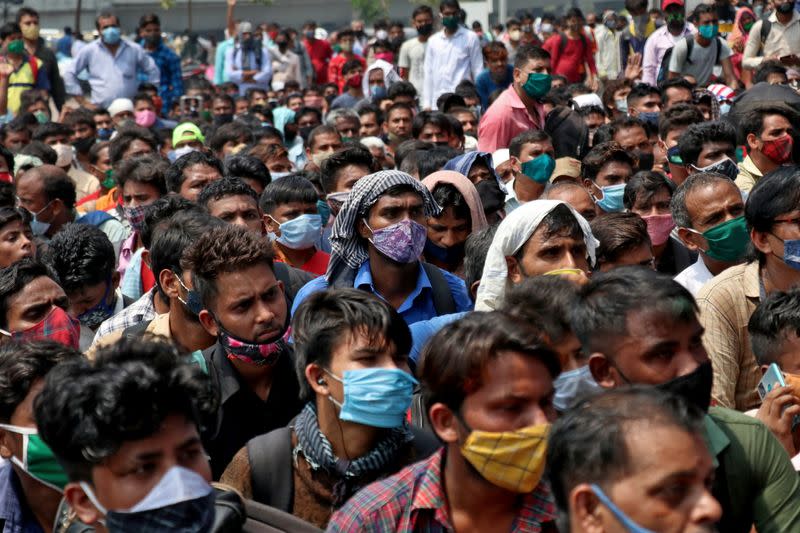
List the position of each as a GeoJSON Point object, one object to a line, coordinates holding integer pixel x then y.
{"type": "Point", "coordinates": [537, 85]}
{"type": "Point", "coordinates": [109, 182]}
{"type": "Point", "coordinates": [16, 47]}
{"type": "Point", "coordinates": [38, 459]}
{"type": "Point", "coordinates": [727, 241]}
{"type": "Point", "coordinates": [451, 23]}
{"type": "Point", "coordinates": [41, 117]}
{"type": "Point", "coordinates": [540, 168]}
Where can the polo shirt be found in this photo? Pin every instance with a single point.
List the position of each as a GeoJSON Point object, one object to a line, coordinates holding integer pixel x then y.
{"type": "Point", "coordinates": [506, 118]}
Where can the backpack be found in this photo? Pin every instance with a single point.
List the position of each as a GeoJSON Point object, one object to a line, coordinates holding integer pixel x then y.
{"type": "Point", "coordinates": [663, 69]}
{"type": "Point", "coordinates": [766, 27]}
{"type": "Point", "coordinates": [95, 218]}
{"type": "Point", "coordinates": [258, 51]}
{"type": "Point", "coordinates": [568, 131]}
{"type": "Point", "coordinates": [563, 44]}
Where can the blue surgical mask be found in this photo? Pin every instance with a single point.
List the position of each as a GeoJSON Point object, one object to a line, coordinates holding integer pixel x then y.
{"type": "Point", "coordinates": [724, 109]}
{"type": "Point", "coordinates": [451, 255]}
{"type": "Point", "coordinates": [97, 314]}
{"type": "Point", "coordinates": [193, 302]}
{"type": "Point", "coordinates": [791, 253]}
{"type": "Point", "coordinates": [623, 519]}
{"type": "Point", "coordinates": [572, 385]}
{"type": "Point", "coordinates": [651, 117]}
{"type": "Point", "coordinates": [278, 175]}
{"type": "Point", "coordinates": [112, 35]}
{"type": "Point", "coordinates": [611, 202]}
{"type": "Point", "coordinates": [375, 397]}
{"type": "Point", "coordinates": [377, 92]}
{"type": "Point", "coordinates": [324, 211]}
{"type": "Point", "coordinates": [708, 31]}
{"type": "Point", "coordinates": [105, 134]}
{"type": "Point", "coordinates": [540, 168]}
{"type": "Point", "coordinates": [301, 232]}
{"type": "Point", "coordinates": [38, 227]}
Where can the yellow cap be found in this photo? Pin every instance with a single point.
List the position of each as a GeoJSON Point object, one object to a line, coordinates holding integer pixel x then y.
{"type": "Point", "coordinates": [187, 132]}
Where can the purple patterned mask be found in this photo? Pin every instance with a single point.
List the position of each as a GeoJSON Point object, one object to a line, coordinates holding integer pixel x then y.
{"type": "Point", "coordinates": [402, 242]}
{"type": "Point", "coordinates": [258, 354]}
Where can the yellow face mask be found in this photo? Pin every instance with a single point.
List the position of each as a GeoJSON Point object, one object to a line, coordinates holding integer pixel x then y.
{"type": "Point", "coordinates": [513, 460]}
{"type": "Point", "coordinates": [564, 272]}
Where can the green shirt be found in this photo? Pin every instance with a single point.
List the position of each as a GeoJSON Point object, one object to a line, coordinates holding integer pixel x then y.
{"type": "Point", "coordinates": [755, 483]}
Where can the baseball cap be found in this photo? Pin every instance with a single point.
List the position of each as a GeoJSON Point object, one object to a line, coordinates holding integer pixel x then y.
{"type": "Point", "coordinates": [567, 168]}
{"type": "Point", "coordinates": [244, 27]}
{"type": "Point", "coordinates": [666, 3]}
{"type": "Point", "coordinates": [120, 105]}
{"type": "Point", "coordinates": [187, 132]}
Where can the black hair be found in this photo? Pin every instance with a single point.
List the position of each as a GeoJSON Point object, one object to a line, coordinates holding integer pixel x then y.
{"type": "Point", "coordinates": [409, 148]}
{"type": "Point", "coordinates": [351, 65]}
{"type": "Point", "coordinates": [752, 121]}
{"type": "Point", "coordinates": [766, 68]}
{"type": "Point", "coordinates": [678, 116]}
{"type": "Point", "coordinates": [326, 319]}
{"type": "Point", "coordinates": [88, 410]}
{"type": "Point", "coordinates": [528, 53]}
{"type": "Point", "coordinates": [352, 155]}
{"type": "Point", "coordinates": [148, 169]}
{"type": "Point", "coordinates": [544, 303]}
{"type": "Point", "coordinates": [475, 250]}
{"type": "Point", "coordinates": [292, 188]}
{"type": "Point", "coordinates": [466, 89]}
{"type": "Point", "coordinates": [446, 195]}
{"type": "Point", "coordinates": [247, 166]}
{"type": "Point", "coordinates": [402, 88]}
{"type": "Point", "coordinates": [26, 11]}
{"type": "Point", "coordinates": [321, 130]}
{"type": "Point", "coordinates": [775, 194]}
{"type": "Point", "coordinates": [175, 173]}
{"type": "Point", "coordinates": [81, 256]}
{"type": "Point", "coordinates": [602, 154]}
{"type": "Point", "coordinates": [125, 137]}
{"type": "Point", "coordinates": [775, 318]}
{"type": "Point", "coordinates": [434, 160]}
{"type": "Point", "coordinates": [600, 317]}
{"type": "Point", "coordinates": [223, 188]}
{"type": "Point", "coordinates": [618, 234]}
{"type": "Point", "coordinates": [527, 137]}
{"type": "Point", "coordinates": [49, 129]}
{"type": "Point", "coordinates": [231, 132]}
{"type": "Point", "coordinates": [38, 149]}
{"type": "Point", "coordinates": [160, 211]}
{"type": "Point", "coordinates": [673, 83]}
{"type": "Point", "coordinates": [430, 117]}
{"type": "Point", "coordinates": [15, 278]}
{"type": "Point", "coordinates": [641, 90]}
{"type": "Point", "coordinates": [644, 185]}
{"type": "Point", "coordinates": [691, 141]}
{"type": "Point", "coordinates": [680, 214]}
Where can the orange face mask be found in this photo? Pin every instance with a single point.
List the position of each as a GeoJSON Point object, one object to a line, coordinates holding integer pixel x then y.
{"type": "Point", "coordinates": [793, 381]}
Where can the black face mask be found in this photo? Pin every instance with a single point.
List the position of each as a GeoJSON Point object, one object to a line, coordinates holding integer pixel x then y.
{"type": "Point", "coordinates": [220, 120]}
{"type": "Point", "coordinates": [304, 132]}
{"type": "Point", "coordinates": [153, 40]}
{"type": "Point", "coordinates": [83, 145]}
{"type": "Point", "coordinates": [695, 387]}
{"type": "Point", "coordinates": [785, 9]}
{"type": "Point", "coordinates": [425, 29]}
{"type": "Point", "coordinates": [646, 159]}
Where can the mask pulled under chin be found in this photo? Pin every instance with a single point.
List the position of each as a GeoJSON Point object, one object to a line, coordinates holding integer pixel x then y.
{"type": "Point", "coordinates": [254, 353]}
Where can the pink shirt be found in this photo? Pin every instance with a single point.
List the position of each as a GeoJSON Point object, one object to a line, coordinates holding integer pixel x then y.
{"type": "Point", "coordinates": [506, 118]}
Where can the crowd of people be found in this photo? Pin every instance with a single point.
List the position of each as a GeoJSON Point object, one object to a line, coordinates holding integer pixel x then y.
{"type": "Point", "coordinates": [534, 277]}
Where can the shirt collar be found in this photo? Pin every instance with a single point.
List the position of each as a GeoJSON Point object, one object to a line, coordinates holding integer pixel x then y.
{"type": "Point", "coordinates": [229, 379]}
{"type": "Point", "coordinates": [516, 101]}
{"type": "Point", "coordinates": [716, 439]}
{"type": "Point", "coordinates": [749, 166]}
{"type": "Point", "coordinates": [751, 280]}
{"type": "Point", "coordinates": [363, 279]}
{"type": "Point", "coordinates": [429, 494]}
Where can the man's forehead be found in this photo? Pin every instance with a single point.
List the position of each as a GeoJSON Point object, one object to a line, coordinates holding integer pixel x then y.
{"type": "Point", "coordinates": [237, 201]}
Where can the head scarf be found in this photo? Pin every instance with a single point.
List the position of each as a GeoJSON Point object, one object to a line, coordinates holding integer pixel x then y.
{"type": "Point", "coordinates": [513, 232]}
{"type": "Point", "coordinates": [390, 77]}
{"type": "Point", "coordinates": [739, 34]}
{"type": "Point", "coordinates": [463, 163]}
{"type": "Point", "coordinates": [281, 116]}
{"type": "Point", "coordinates": [467, 190]}
{"type": "Point", "coordinates": [699, 94]}
{"type": "Point", "coordinates": [348, 251]}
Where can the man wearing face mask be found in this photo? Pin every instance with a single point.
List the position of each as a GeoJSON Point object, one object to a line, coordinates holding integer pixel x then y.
{"type": "Point", "coordinates": [378, 239]}
{"type": "Point", "coordinates": [294, 223]}
{"type": "Point", "coordinates": [709, 147]}
{"type": "Point", "coordinates": [518, 108]}
{"type": "Point", "coordinates": [248, 62]}
{"type": "Point", "coordinates": [346, 41]}
{"type": "Point", "coordinates": [35, 45]}
{"type": "Point", "coordinates": [167, 61]}
{"type": "Point", "coordinates": [644, 103]}
{"type": "Point", "coordinates": [319, 50]}
{"type": "Point", "coordinates": [30, 478]}
{"type": "Point", "coordinates": [58, 137]}
{"type": "Point", "coordinates": [155, 430]}
{"type": "Point", "coordinates": [605, 170]}
{"type": "Point", "coordinates": [352, 76]}
{"type": "Point", "coordinates": [83, 259]}
{"type": "Point", "coordinates": [488, 476]}
{"type": "Point", "coordinates": [708, 211]}
{"type": "Point", "coordinates": [769, 134]}
{"type": "Point", "coordinates": [340, 441]}
{"type": "Point", "coordinates": [697, 55]}
{"type": "Point", "coordinates": [452, 55]}
{"type": "Point", "coordinates": [622, 319]}
{"type": "Point", "coordinates": [664, 38]}
{"type": "Point", "coordinates": [411, 60]}
{"type": "Point", "coordinates": [285, 63]}
{"type": "Point", "coordinates": [113, 65]}
{"type": "Point", "coordinates": [322, 142]}
{"type": "Point", "coordinates": [245, 308]}
{"type": "Point", "coordinates": [633, 136]}
{"type": "Point", "coordinates": [23, 72]}
{"type": "Point", "coordinates": [306, 119]}
{"type": "Point", "coordinates": [775, 38]}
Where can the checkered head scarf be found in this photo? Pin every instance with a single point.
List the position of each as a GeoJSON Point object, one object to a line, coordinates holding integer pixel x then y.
{"type": "Point", "coordinates": [348, 250]}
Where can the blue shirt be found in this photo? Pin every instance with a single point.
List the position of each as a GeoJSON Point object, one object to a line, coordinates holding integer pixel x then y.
{"type": "Point", "coordinates": [485, 85]}
{"type": "Point", "coordinates": [219, 61]}
{"type": "Point", "coordinates": [419, 304]}
{"type": "Point", "coordinates": [110, 76]}
{"type": "Point", "coordinates": [237, 60]}
{"type": "Point", "coordinates": [424, 330]}
{"type": "Point", "coordinates": [169, 66]}
{"type": "Point", "coordinates": [14, 511]}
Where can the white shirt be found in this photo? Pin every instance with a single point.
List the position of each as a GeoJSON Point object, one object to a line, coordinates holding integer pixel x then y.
{"type": "Point", "coordinates": [694, 277]}
{"type": "Point", "coordinates": [412, 57]}
{"type": "Point", "coordinates": [448, 60]}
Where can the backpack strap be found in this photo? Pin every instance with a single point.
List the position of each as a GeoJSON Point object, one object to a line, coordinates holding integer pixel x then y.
{"type": "Point", "coordinates": [272, 468]}
{"type": "Point", "coordinates": [443, 300]}
{"type": "Point", "coordinates": [94, 218]}
{"type": "Point", "coordinates": [563, 44]}
{"type": "Point", "coordinates": [766, 27]}
{"type": "Point", "coordinates": [34, 67]}
{"type": "Point", "coordinates": [689, 47]}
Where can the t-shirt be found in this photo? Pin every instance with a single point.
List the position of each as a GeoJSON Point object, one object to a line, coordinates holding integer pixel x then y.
{"type": "Point", "coordinates": [703, 59]}
{"type": "Point", "coordinates": [412, 57]}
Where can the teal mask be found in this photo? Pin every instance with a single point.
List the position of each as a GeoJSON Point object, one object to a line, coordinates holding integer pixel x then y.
{"type": "Point", "coordinates": [38, 459]}
{"type": "Point", "coordinates": [537, 85]}
{"type": "Point", "coordinates": [451, 23]}
{"type": "Point", "coordinates": [708, 31]}
{"type": "Point", "coordinates": [727, 241]}
{"type": "Point", "coordinates": [540, 168]}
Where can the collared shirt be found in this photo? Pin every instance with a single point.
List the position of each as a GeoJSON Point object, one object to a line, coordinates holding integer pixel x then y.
{"type": "Point", "coordinates": [726, 303]}
{"type": "Point", "coordinates": [505, 119]}
{"type": "Point", "coordinates": [414, 499]}
{"type": "Point", "coordinates": [607, 55]}
{"type": "Point", "coordinates": [417, 306]}
{"type": "Point", "coordinates": [169, 65]}
{"type": "Point", "coordinates": [448, 60]}
{"type": "Point", "coordinates": [694, 277]}
{"type": "Point", "coordinates": [656, 46]}
{"type": "Point", "coordinates": [15, 515]}
{"type": "Point", "coordinates": [755, 482]}
{"type": "Point", "coordinates": [111, 76]}
{"type": "Point", "coordinates": [781, 41]}
{"type": "Point", "coordinates": [141, 310]}
{"type": "Point", "coordinates": [285, 67]}
{"type": "Point", "coordinates": [235, 62]}
{"type": "Point", "coordinates": [220, 75]}
{"type": "Point", "coordinates": [242, 414]}
{"type": "Point", "coordinates": [87, 335]}
{"type": "Point", "coordinates": [748, 175]}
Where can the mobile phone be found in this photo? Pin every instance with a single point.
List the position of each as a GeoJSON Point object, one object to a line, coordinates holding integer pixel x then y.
{"type": "Point", "coordinates": [772, 378]}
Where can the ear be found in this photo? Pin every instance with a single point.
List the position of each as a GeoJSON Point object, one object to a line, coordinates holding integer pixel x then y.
{"type": "Point", "coordinates": [693, 241]}
{"type": "Point", "coordinates": [81, 504]}
{"type": "Point", "coordinates": [385, 127]}
{"type": "Point", "coordinates": [444, 422]}
{"type": "Point", "coordinates": [762, 242]}
{"type": "Point", "coordinates": [308, 154]}
{"type": "Point", "coordinates": [115, 278]}
{"type": "Point", "coordinates": [473, 289]}
{"type": "Point", "coordinates": [587, 184]}
{"type": "Point", "coordinates": [585, 508]}
{"type": "Point", "coordinates": [362, 229]}
{"type": "Point", "coordinates": [271, 225]}
{"type": "Point", "coordinates": [602, 371]}
{"type": "Point", "coordinates": [169, 283]}
{"type": "Point", "coordinates": [662, 145]}
{"type": "Point", "coordinates": [146, 257]}
{"type": "Point", "coordinates": [515, 275]}
{"type": "Point", "coordinates": [6, 450]}
{"type": "Point", "coordinates": [752, 142]}
{"type": "Point", "coordinates": [208, 322]}
{"type": "Point", "coordinates": [763, 369]}
{"type": "Point", "coordinates": [317, 379]}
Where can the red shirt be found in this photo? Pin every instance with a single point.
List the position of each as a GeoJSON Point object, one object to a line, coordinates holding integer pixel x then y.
{"type": "Point", "coordinates": [570, 61]}
{"type": "Point", "coordinates": [506, 118]}
{"type": "Point", "coordinates": [335, 69]}
{"type": "Point", "coordinates": [320, 53]}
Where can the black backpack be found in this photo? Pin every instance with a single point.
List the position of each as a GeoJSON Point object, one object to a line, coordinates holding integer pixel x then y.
{"type": "Point", "coordinates": [568, 131]}
{"type": "Point", "coordinates": [663, 69]}
{"type": "Point", "coordinates": [766, 27]}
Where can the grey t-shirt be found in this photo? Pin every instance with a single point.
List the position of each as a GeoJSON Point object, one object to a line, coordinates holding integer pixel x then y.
{"type": "Point", "coordinates": [412, 57]}
{"type": "Point", "coordinates": [703, 59]}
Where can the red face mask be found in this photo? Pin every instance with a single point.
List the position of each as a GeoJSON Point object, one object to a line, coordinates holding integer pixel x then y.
{"type": "Point", "coordinates": [354, 82]}
{"type": "Point", "coordinates": [779, 150]}
{"type": "Point", "coordinates": [6, 177]}
{"type": "Point", "coordinates": [57, 326]}
{"type": "Point", "coordinates": [386, 56]}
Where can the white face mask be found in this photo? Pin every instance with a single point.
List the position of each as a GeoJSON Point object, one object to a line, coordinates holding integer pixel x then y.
{"type": "Point", "coordinates": [64, 153]}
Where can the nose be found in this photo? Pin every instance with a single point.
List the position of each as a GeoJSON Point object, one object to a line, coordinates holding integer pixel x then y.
{"type": "Point", "coordinates": [264, 313]}
{"type": "Point", "coordinates": [569, 261]}
{"type": "Point", "coordinates": [708, 510]}
{"type": "Point", "coordinates": [448, 240]}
